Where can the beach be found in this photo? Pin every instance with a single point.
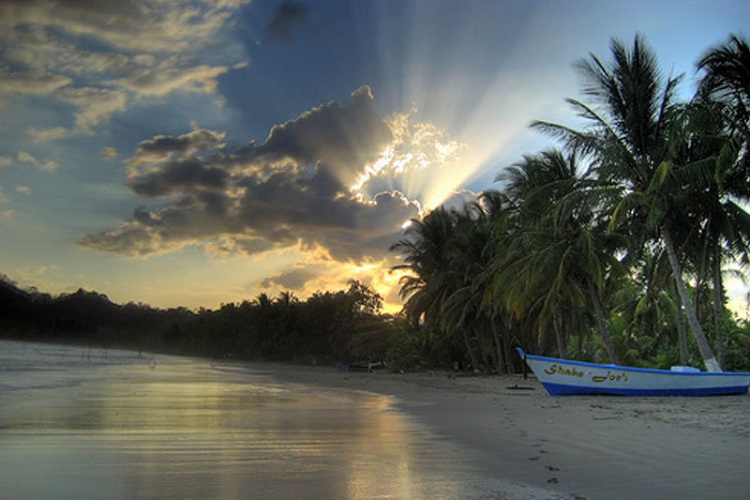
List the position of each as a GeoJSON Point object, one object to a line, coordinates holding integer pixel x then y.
{"type": "Point", "coordinates": [78, 422]}
{"type": "Point", "coordinates": [578, 447]}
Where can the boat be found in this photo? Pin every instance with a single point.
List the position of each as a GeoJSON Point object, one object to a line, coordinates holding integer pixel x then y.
{"type": "Point", "coordinates": [563, 377]}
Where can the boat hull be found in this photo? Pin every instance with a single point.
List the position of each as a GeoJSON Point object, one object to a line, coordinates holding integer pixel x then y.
{"type": "Point", "coordinates": [562, 377]}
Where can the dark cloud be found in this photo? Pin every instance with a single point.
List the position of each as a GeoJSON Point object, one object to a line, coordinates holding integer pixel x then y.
{"type": "Point", "coordinates": [164, 146]}
{"type": "Point", "coordinates": [295, 279]}
{"type": "Point", "coordinates": [341, 138]}
{"type": "Point", "coordinates": [288, 19]}
{"type": "Point", "coordinates": [291, 189]}
{"type": "Point", "coordinates": [179, 176]}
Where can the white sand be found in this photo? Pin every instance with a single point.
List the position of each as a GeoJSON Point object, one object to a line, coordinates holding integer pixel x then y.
{"type": "Point", "coordinates": [581, 447]}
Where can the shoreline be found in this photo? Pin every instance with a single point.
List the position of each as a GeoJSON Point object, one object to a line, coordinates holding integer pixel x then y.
{"type": "Point", "coordinates": [572, 446]}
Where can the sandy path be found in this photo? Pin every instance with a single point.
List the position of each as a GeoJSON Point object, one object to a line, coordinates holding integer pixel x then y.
{"type": "Point", "coordinates": [580, 447]}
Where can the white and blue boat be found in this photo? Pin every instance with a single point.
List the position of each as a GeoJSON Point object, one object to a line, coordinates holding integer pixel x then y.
{"type": "Point", "coordinates": [562, 377]}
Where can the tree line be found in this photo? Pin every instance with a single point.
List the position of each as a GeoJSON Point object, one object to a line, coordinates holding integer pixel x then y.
{"type": "Point", "coordinates": [614, 244]}
{"type": "Point", "coordinates": [329, 327]}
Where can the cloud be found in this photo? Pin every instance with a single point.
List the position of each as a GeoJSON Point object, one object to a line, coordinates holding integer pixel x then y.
{"type": "Point", "coordinates": [168, 76]}
{"type": "Point", "coordinates": [343, 139]}
{"type": "Point", "coordinates": [103, 56]}
{"type": "Point", "coordinates": [5, 160]}
{"type": "Point", "coordinates": [292, 189]}
{"type": "Point", "coordinates": [295, 278]}
{"type": "Point", "coordinates": [167, 164]}
{"type": "Point", "coordinates": [25, 157]}
{"type": "Point", "coordinates": [133, 25]}
{"type": "Point", "coordinates": [228, 246]}
{"type": "Point", "coordinates": [316, 274]}
{"type": "Point", "coordinates": [164, 147]}
{"type": "Point", "coordinates": [24, 190]}
{"type": "Point", "coordinates": [95, 105]}
{"type": "Point", "coordinates": [288, 19]}
{"type": "Point", "coordinates": [417, 160]}
{"type": "Point", "coordinates": [110, 153]}
{"type": "Point", "coordinates": [42, 135]}
{"type": "Point", "coordinates": [31, 82]}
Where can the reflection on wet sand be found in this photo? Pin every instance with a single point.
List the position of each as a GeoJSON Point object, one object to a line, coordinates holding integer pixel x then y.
{"type": "Point", "coordinates": [189, 429]}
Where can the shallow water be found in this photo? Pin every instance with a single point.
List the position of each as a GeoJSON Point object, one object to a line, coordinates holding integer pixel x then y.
{"type": "Point", "coordinates": [79, 422]}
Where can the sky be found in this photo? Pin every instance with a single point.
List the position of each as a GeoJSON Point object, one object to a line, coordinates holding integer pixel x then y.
{"type": "Point", "coordinates": [201, 152]}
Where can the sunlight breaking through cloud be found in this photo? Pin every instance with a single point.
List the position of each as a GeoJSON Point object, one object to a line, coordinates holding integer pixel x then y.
{"type": "Point", "coordinates": [334, 186]}
{"type": "Point", "coordinates": [418, 157]}
{"type": "Point", "coordinates": [256, 197]}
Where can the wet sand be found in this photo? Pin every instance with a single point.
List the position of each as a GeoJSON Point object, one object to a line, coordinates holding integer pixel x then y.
{"type": "Point", "coordinates": [88, 423]}
{"type": "Point", "coordinates": [580, 447]}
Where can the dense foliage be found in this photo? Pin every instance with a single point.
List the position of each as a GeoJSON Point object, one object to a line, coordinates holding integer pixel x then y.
{"type": "Point", "coordinates": [328, 327]}
{"type": "Point", "coordinates": [613, 247]}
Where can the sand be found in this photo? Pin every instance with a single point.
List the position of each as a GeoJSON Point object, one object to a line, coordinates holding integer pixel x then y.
{"type": "Point", "coordinates": [571, 447]}
{"type": "Point", "coordinates": [78, 424]}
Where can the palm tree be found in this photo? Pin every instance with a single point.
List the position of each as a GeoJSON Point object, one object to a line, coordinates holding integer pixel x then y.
{"type": "Point", "coordinates": [425, 251]}
{"type": "Point", "coordinates": [727, 79]}
{"type": "Point", "coordinates": [726, 83]}
{"type": "Point", "coordinates": [498, 219]}
{"type": "Point", "coordinates": [648, 308]}
{"type": "Point", "coordinates": [429, 250]}
{"type": "Point", "coordinates": [557, 260]}
{"type": "Point", "coordinates": [630, 140]}
{"type": "Point", "coordinates": [720, 225]}
{"type": "Point", "coordinates": [462, 309]}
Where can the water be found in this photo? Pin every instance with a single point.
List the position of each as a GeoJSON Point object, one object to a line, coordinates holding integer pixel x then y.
{"type": "Point", "coordinates": [79, 422]}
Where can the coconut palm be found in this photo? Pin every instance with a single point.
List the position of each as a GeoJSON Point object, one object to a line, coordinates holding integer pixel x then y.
{"type": "Point", "coordinates": [425, 250]}
{"type": "Point", "coordinates": [726, 78]}
{"type": "Point", "coordinates": [630, 138]}
{"type": "Point", "coordinates": [462, 309]}
{"type": "Point", "coordinates": [555, 263]}
{"type": "Point", "coordinates": [726, 84]}
{"type": "Point", "coordinates": [434, 273]}
{"type": "Point", "coordinates": [652, 318]}
{"type": "Point", "coordinates": [718, 225]}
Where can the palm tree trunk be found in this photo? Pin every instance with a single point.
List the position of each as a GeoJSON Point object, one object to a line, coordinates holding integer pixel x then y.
{"type": "Point", "coordinates": [469, 350]}
{"type": "Point", "coordinates": [507, 352]}
{"type": "Point", "coordinates": [682, 338]}
{"type": "Point", "coordinates": [559, 334]}
{"type": "Point", "coordinates": [501, 368]}
{"type": "Point", "coordinates": [718, 304]}
{"type": "Point", "coordinates": [603, 324]}
{"type": "Point", "coordinates": [486, 356]}
{"type": "Point", "coordinates": [709, 360]}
